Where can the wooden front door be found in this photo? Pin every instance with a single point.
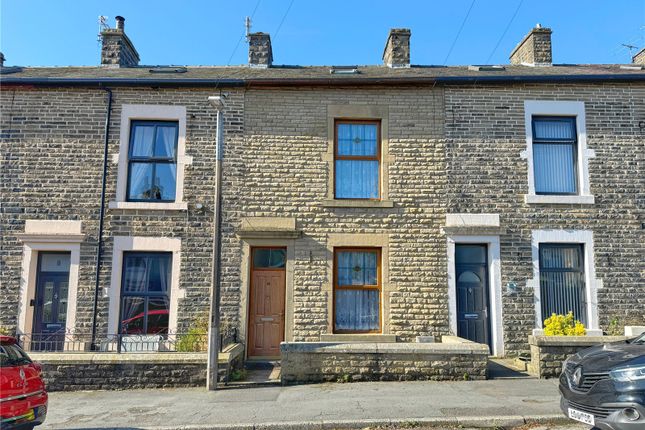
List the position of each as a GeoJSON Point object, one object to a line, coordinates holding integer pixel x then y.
{"type": "Point", "coordinates": [266, 303]}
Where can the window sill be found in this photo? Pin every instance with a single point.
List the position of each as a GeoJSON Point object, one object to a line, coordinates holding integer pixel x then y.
{"type": "Point", "coordinates": [175, 206]}
{"type": "Point", "coordinates": [559, 200]}
{"type": "Point", "coordinates": [358, 203]}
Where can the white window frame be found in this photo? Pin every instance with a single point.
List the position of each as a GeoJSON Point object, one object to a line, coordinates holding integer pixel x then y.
{"type": "Point", "coordinates": [145, 244]}
{"type": "Point", "coordinates": [584, 237]}
{"type": "Point", "coordinates": [559, 108]}
{"type": "Point", "coordinates": [131, 113]}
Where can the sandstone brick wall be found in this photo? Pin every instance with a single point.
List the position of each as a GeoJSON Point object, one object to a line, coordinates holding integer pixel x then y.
{"type": "Point", "coordinates": [455, 150]}
{"type": "Point", "coordinates": [485, 132]}
{"type": "Point", "coordinates": [51, 167]}
{"type": "Point", "coordinates": [327, 362]}
{"type": "Point", "coordinates": [548, 353]}
{"type": "Point", "coordinates": [286, 175]}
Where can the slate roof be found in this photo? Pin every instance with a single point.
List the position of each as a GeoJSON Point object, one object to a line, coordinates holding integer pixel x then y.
{"type": "Point", "coordinates": [290, 75]}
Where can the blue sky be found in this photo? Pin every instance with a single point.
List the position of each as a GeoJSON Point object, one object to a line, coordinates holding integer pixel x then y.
{"type": "Point", "coordinates": [329, 32]}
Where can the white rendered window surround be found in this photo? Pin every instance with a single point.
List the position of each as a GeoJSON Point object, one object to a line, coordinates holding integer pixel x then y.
{"type": "Point", "coordinates": [137, 243]}
{"type": "Point", "coordinates": [584, 237]}
{"type": "Point", "coordinates": [46, 235]}
{"type": "Point", "coordinates": [559, 108]}
{"type": "Point", "coordinates": [130, 113]}
{"type": "Point", "coordinates": [494, 285]}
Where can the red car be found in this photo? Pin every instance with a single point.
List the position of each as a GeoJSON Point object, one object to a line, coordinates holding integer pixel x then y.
{"type": "Point", "coordinates": [23, 399]}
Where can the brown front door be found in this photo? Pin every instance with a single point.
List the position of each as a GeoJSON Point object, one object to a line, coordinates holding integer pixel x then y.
{"type": "Point", "coordinates": [266, 304]}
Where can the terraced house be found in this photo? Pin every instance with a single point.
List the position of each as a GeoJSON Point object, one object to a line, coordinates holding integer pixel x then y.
{"type": "Point", "coordinates": [394, 204]}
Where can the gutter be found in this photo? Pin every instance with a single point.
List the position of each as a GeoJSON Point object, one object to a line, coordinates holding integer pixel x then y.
{"type": "Point", "coordinates": [99, 249]}
{"type": "Point", "coordinates": [356, 81]}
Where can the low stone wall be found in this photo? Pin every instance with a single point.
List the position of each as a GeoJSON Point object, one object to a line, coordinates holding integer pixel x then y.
{"type": "Point", "coordinates": [549, 352]}
{"type": "Point", "coordinates": [112, 371]}
{"type": "Point", "coordinates": [305, 362]}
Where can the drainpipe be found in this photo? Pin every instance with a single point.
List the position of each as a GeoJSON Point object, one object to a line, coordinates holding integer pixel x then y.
{"type": "Point", "coordinates": [217, 102]}
{"type": "Point", "coordinates": [99, 248]}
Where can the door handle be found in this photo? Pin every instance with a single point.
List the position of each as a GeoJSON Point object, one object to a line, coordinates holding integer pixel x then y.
{"type": "Point", "coordinates": [32, 302]}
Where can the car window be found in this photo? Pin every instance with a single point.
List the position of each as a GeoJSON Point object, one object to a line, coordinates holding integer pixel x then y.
{"type": "Point", "coordinates": [12, 355]}
{"type": "Point", "coordinates": [640, 339]}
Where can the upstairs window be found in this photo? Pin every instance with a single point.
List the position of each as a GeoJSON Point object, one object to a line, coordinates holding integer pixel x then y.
{"type": "Point", "coordinates": [152, 161]}
{"type": "Point", "coordinates": [357, 160]}
{"type": "Point", "coordinates": [555, 155]}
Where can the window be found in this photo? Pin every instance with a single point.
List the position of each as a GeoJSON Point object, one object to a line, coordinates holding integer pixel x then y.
{"type": "Point", "coordinates": [357, 290]}
{"type": "Point", "coordinates": [562, 280]}
{"type": "Point", "coordinates": [144, 292]}
{"type": "Point", "coordinates": [152, 161]}
{"type": "Point", "coordinates": [357, 159]}
{"type": "Point", "coordinates": [555, 155]}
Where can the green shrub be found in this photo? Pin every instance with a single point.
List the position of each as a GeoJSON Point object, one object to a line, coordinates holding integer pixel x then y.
{"type": "Point", "coordinates": [196, 338]}
{"type": "Point", "coordinates": [563, 325]}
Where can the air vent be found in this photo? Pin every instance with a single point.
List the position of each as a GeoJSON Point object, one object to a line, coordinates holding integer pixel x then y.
{"type": "Point", "coordinates": [344, 70]}
{"type": "Point", "coordinates": [168, 70]}
{"type": "Point", "coordinates": [486, 68]}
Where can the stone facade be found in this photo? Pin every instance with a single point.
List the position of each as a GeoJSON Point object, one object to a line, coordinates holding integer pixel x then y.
{"type": "Point", "coordinates": [486, 174]}
{"type": "Point", "coordinates": [448, 149]}
{"type": "Point", "coordinates": [353, 362]}
{"type": "Point", "coordinates": [548, 353]}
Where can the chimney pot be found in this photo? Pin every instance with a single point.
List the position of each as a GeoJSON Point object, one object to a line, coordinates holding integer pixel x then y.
{"type": "Point", "coordinates": [117, 49]}
{"type": "Point", "coordinates": [397, 48]}
{"type": "Point", "coordinates": [639, 58]}
{"type": "Point", "coordinates": [534, 49]}
{"type": "Point", "coordinates": [260, 51]}
{"type": "Point", "coordinates": [120, 23]}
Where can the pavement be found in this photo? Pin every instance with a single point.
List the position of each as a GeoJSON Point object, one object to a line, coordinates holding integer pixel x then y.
{"type": "Point", "coordinates": [493, 403]}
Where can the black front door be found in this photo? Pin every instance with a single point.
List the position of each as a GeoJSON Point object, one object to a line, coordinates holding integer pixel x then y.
{"type": "Point", "coordinates": [50, 303]}
{"type": "Point", "coordinates": [471, 270]}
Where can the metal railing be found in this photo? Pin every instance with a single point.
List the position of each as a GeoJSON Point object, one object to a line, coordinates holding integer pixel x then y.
{"type": "Point", "coordinates": [190, 341]}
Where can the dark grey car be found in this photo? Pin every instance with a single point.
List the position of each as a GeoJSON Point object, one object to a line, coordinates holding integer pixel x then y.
{"type": "Point", "coordinates": [604, 386]}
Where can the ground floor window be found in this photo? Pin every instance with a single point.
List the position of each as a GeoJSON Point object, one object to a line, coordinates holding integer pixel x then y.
{"type": "Point", "coordinates": [145, 290]}
{"type": "Point", "coordinates": [562, 280]}
{"type": "Point", "coordinates": [357, 290]}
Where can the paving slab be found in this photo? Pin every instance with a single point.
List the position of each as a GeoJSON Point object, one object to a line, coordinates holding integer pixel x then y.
{"type": "Point", "coordinates": [503, 402]}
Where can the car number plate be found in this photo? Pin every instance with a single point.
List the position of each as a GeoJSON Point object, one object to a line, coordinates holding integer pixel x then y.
{"type": "Point", "coordinates": [583, 417]}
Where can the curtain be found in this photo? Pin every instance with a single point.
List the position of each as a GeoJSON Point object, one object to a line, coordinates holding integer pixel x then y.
{"type": "Point", "coordinates": [142, 140]}
{"type": "Point", "coordinates": [357, 179]}
{"type": "Point", "coordinates": [357, 310]}
{"type": "Point", "coordinates": [554, 167]}
{"type": "Point", "coordinates": [562, 284]}
{"type": "Point", "coordinates": [554, 129]}
{"type": "Point", "coordinates": [140, 180]}
{"type": "Point", "coordinates": [166, 139]}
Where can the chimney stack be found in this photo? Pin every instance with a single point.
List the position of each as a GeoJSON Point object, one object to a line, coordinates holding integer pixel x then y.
{"type": "Point", "coordinates": [639, 58]}
{"type": "Point", "coordinates": [397, 48]}
{"type": "Point", "coordinates": [534, 49]}
{"type": "Point", "coordinates": [260, 52]}
{"type": "Point", "coordinates": [117, 49]}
